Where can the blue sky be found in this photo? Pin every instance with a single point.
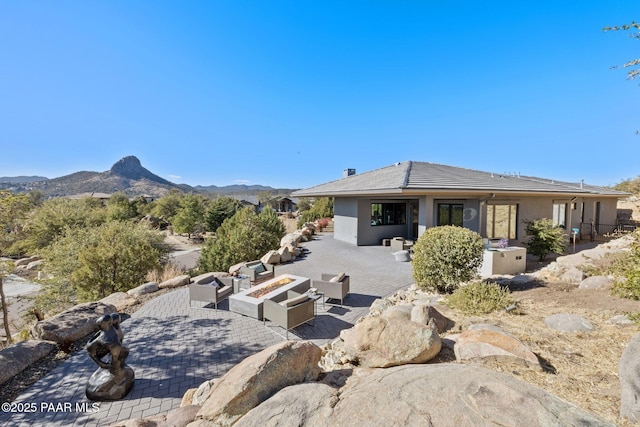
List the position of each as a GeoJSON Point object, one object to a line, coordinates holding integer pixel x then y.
{"type": "Point", "coordinates": [290, 93]}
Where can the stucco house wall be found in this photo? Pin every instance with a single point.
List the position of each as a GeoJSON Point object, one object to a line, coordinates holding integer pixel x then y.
{"type": "Point", "coordinates": [345, 219]}
{"type": "Point", "coordinates": [426, 185]}
{"type": "Point", "coordinates": [353, 215]}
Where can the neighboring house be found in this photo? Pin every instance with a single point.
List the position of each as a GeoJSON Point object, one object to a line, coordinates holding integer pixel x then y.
{"type": "Point", "coordinates": [285, 204]}
{"type": "Point", "coordinates": [406, 198]}
{"type": "Point", "coordinates": [93, 195]}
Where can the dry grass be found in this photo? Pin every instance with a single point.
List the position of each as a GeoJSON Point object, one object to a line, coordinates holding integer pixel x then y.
{"type": "Point", "coordinates": [581, 368]}
{"type": "Point", "coordinates": [169, 271]}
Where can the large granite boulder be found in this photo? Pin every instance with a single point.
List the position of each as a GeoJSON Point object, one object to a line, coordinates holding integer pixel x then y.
{"type": "Point", "coordinates": [120, 300]}
{"type": "Point", "coordinates": [567, 322]}
{"type": "Point", "coordinates": [16, 358]}
{"type": "Point", "coordinates": [596, 282]}
{"type": "Point", "coordinates": [179, 417]}
{"type": "Point", "coordinates": [257, 378]}
{"type": "Point", "coordinates": [491, 343]}
{"type": "Point", "coordinates": [629, 373]}
{"type": "Point", "coordinates": [271, 257]}
{"type": "Point", "coordinates": [291, 239]}
{"type": "Point", "coordinates": [424, 312]}
{"type": "Point", "coordinates": [378, 342]}
{"type": "Point", "coordinates": [196, 396]}
{"type": "Point", "coordinates": [145, 288]}
{"type": "Point", "coordinates": [175, 282]}
{"type": "Point", "coordinates": [303, 404]}
{"type": "Point", "coordinates": [420, 395]}
{"type": "Point", "coordinates": [73, 324]}
{"type": "Point", "coordinates": [401, 311]}
{"type": "Point", "coordinates": [444, 395]}
{"type": "Point", "coordinates": [285, 255]}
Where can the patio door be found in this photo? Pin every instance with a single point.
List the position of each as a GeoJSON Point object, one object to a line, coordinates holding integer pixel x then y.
{"type": "Point", "coordinates": [413, 209]}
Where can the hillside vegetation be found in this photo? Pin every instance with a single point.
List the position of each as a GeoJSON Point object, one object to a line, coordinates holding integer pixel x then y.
{"type": "Point", "coordinates": [629, 185]}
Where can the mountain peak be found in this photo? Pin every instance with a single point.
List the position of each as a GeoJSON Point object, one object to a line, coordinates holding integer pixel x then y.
{"type": "Point", "coordinates": [129, 167]}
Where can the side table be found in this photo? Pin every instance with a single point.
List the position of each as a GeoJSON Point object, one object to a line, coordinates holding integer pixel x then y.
{"type": "Point", "coordinates": [240, 283]}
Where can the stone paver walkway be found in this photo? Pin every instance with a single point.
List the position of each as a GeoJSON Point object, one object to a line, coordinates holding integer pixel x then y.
{"type": "Point", "coordinates": [175, 347]}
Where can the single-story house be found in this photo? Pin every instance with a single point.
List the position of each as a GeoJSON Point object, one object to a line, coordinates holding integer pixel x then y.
{"type": "Point", "coordinates": [406, 198]}
{"type": "Point", "coordinates": [285, 204]}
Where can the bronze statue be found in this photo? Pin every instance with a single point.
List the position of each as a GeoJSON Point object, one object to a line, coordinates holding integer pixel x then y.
{"type": "Point", "coordinates": [113, 379]}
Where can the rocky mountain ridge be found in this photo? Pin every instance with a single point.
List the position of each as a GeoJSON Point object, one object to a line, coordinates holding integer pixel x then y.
{"type": "Point", "coordinates": [127, 175]}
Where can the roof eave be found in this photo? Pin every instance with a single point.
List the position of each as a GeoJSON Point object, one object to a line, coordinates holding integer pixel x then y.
{"type": "Point", "coordinates": [453, 191]}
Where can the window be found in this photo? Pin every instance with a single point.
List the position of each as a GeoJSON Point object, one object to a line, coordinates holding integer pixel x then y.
{"type": "Point", "coordinates": [388, 213]}
{"type": "Point", "coordinates": [560, 215]}
{"type": "Point", "coordinates": [502, 221]}
{"type": "Point", "coordinates": [450, 214]}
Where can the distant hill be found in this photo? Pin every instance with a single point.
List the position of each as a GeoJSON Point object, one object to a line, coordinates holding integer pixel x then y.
{"type": "Point", "coordinates": [127, 175]}
{"type": "Point", "coordinates": [21, 179]}
{"type": "Point", "coordinates": [238, 189]}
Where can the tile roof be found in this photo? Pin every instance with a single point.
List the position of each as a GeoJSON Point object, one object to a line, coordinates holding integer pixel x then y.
{"type": "Point", "coordinates": [411, 176]}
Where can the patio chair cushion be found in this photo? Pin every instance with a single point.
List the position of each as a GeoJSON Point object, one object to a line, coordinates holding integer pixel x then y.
{"type": "Point", "coordinates": [216, 282]}
{"type": "Point", "coordinates": [258, 268]}
{"type": "Point", "coordinates": [338, 278]}
{"type": "Point", "coordinates": [294, 301]}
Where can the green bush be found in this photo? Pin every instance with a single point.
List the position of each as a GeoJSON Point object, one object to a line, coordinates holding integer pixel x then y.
{"type": "Point", "coordinates": [321, 208]}
{"type": "Point", "coordinates": [545, 238]}
{"type": "Point", "coordinates": [446, 256]}
{"type": "Point", "coordinates": [630, 287]}
{"type": "Point", "coordinates": [98, 261]}
{"type": "Point", "coordinates": [221, 208]}
{"type": "Point", "coordinates": [480, 298]}
{"type": "Point", "coordinates": [246, 236]}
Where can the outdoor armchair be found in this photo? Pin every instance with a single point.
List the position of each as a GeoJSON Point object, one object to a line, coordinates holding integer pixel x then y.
{"type": "Point", "coordinates": [294, 311]}
{"type": "Point", "coordinates": [208, 292]}
{"type": "Point", "coordinates": [258, 271]}
{"type": "Point", "coordinates": [335, 286]}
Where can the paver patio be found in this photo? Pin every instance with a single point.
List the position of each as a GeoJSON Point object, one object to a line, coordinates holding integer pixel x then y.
{"type": "Point", "coordinates": [175, 348]}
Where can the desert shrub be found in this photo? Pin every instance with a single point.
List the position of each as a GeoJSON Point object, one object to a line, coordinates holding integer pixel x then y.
{"type": "Point", "coordinates": [629, 286]}
{"type": "Point", "coordinates": [446, 256]}
{"type": "Point", "coordinates": [634, 317]}
{"type": "Point", "coordinates": [98, 261]}
{"type": "Point", "coordinates": [545, 238]}
{"type": "Point", "coordinates": [246, 236]}
{"type": "Point", "coordinates": [53, 217]}
{"type": "Point", "coordinates": [321, 208]}
{"type": "Point", "coordinates": [480, 298]}
{"type": "Point", "coordinates": [614, 264]}
{"type": "Point", "coordinates": [119, 208]}
{"type": "Point", "coordinates": [55, 297]}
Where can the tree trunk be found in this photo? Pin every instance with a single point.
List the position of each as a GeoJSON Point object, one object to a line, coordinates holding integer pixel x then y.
{"type": "Point", "coordinates": [5, 313]}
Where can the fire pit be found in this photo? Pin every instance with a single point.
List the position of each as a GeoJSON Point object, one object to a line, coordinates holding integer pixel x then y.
{"type": "Point", "coordinates": [249, 301]}
{"type": "Point", "coordinates": [271, 287]}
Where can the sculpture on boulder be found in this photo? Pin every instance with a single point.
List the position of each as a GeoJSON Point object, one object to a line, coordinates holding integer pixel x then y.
{"type": "Point", "coordinates": [113, 379]}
